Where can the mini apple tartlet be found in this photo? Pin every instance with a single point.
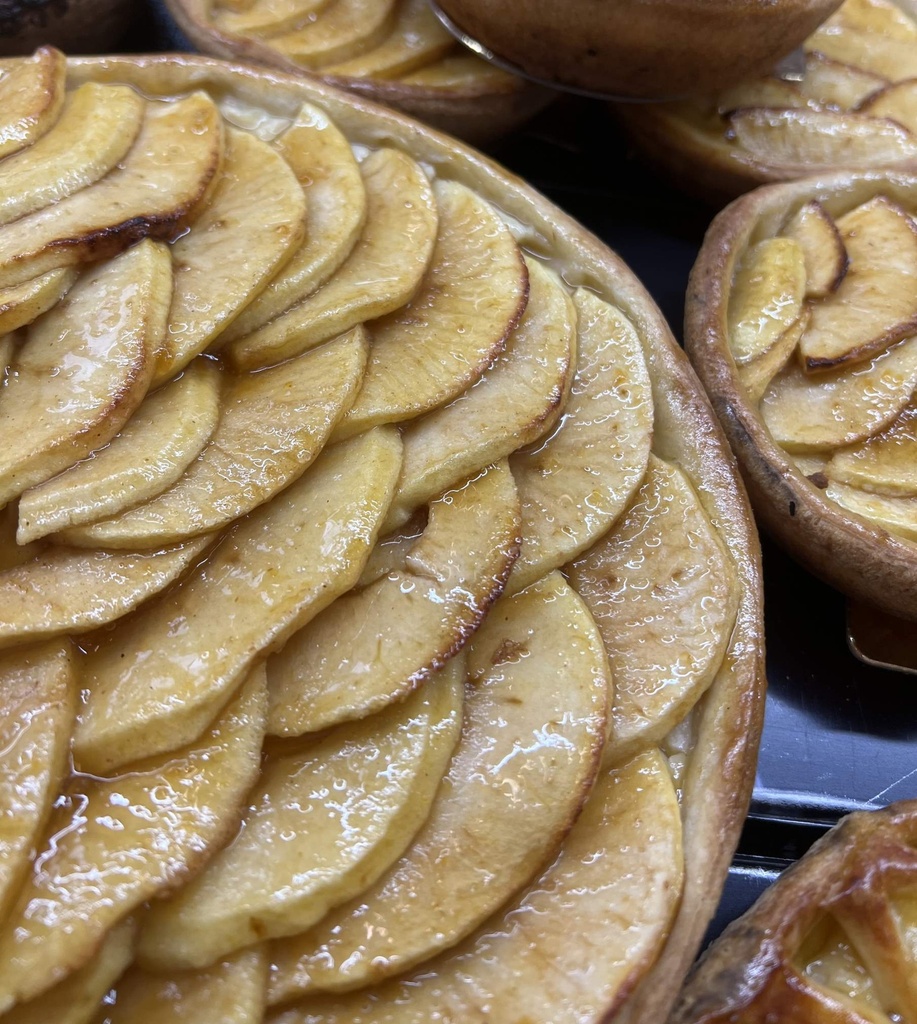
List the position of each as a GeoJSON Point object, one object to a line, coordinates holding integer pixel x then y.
{"type": "Point", "coordinates": [379, 606]}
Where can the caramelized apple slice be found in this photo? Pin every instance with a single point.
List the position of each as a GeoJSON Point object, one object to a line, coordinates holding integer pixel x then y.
{"type": "Point", "coordinates": [252, 223]}
{"type": "Point", "coordinates": [875, 52]}
{"type": "Point", "coordinates": [806, 413]}
{"type": "Point", "coordinates": [825, 254]}
{"type": "Point", "coordinates": [380, 274]}
{"type": "Point", "coordinates": [898, 102]}
{"type": "Point", "coordinates": [882, 17]}
{"type": "Point", "coordinates": [577, 483]}
{"type": "Point", "coordinates": [766, 298]}
{"type": "Point", "coordinates": [31, 96]}
{"type": "Point", "coordinates": [522, 769]}
{"type": "Point", "coordinates": [20, 304]}
{"type": "Point", "coordinates": [156, 446]}
{"type": "Point", "coordinates": [162, 675]}
{"type": "Point", "coordinates": [509, 407]}
{"type": "Point", "coordinates": [390, 554]}
{"type": "Point", "coordinates": [386, 771]}
{"type": "Point", "coordinates": [435, 347]}
{"type": "Point", "coordinates": [757, 375]}
{"type": "Point", "coordinates": [664, 594]}
{"type": "Point", "coordinates": [96, 128]}
{"type": "Point", "coordinates": [68, 590]}
{"type": "Point", "coordinates": [375, 645]}
{"type": "Point", "coordinates": [837, 85]}
{"type": "Point", "coordinates": [323, 162]}
{"type": "Point", "coordinates": [143, 834]}
{"type": "Point", "coordinates": [602, 910]}
{"type": "Point", "coordinates": [269, 17]}
{"type": "Point", "coordinates": [272, 426]}
{"type": "Point", "coordinates": [760, 92]}
{"type": "Point", "coordinates": [347, 29]}
{"type": "Point", "coordinates": [38, 695]}
{"type": "Point", "coordinates": [876, 303]}
{"type": "Point", "coordinates": [135, 201]}
{"type": "Point", "coordinates": [897, 515]}
{"type": "Point", "coordinates": [885, 463]}
{"type": "Point", "coordinates": [84, 368]}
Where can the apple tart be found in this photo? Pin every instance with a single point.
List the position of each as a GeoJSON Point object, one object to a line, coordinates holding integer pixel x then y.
{"type": "Point", "coordinates": [379, 605]}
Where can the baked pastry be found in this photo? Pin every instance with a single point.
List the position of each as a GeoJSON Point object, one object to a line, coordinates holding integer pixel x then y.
{"type": "Point", "coordinates": [350, 441]}
{"type": "Point", "coordinates": [849, 103]}
{"type": "Point", "coordinates": [829, 941]}
{"type": "Point", "coordinates": [800, 323]}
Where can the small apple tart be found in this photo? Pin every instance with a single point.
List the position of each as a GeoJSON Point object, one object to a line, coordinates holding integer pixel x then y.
{"type": "Point", "coordinates": [379, 604]}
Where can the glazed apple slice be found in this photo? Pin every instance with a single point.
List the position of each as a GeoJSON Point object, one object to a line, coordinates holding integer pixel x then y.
{"type": "Point", "coordinates": [875, 52]}
{"type": "Point", "coordinates": [135, 201]}
{"type": "Point", "coordinates": [250, 226]}
{"type": "Point", "coordinates": [760, 92]}
{"type": "Point", "coordinates": [37, 710]}
{"type": "Point", "coordinates": [272, 426]}
{"type": "Point", "coordinates": [664, 594]}
{"type": "Point", "coordinates": [438, 344]}
{"type": "Point", "coordinates": [897, 515]}
{"type": "Point", "coordinates": [767, 296]}
{"type": "Point", "coordinates": [386, 771]}
{"type": "Point", "coordinates": [143, 834]}
{"type": "Point", "coordinates": [876, 304]}
{"type": "Point", "coordinates": [324, 164]}
{"type": "Point", "coordinates": [11, 553]}
{"type": "Point", "coordinates": [757, 375]}
{"type": "Point", "coordinates": [20, 304]}
{"type": "Point", "coordinates": [825, 254]}
{"type": "Point", "coordinates": [837, 85]}
{"type": "Point", "coordinates": [575, 485]}
{"type": "Point", "coordinates": [885, 463]}
{"type": "Point", "coordinates": [161, 676]}
{"type": "Point", "coordinates": [83, 368]}
{"type": "Point", "coordinates": [31, 96]}
{"type": "Point", "coordinates": [380, 274]}
{"type": "Point", "coordinates": [460, 72]}
{"type": "Point", "coordinates": [97, 126]}
{"type": "Point", "coordinates": [375, 645]}
{"type": "Point", "coordinates": [156, 445]}
{"type": "Point", "coordinates": [509, 407]}
{"type": "Point", "coordinates": [898, 102]}
{"type": "Point", "coordinates": [347, 29]}
{"type": "Point", "coordinates": [882, 17]}
{"type": "Point", "coordinates": [523, 767]}
{"type": "Point", "coordinates": [621, 862]}
{"type": "Point", "coordinates": [69, 590]}
{"type": "Point", "coordinates": [269, 17]}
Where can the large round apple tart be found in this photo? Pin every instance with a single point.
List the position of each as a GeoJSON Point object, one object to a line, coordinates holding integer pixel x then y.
{"type": "Point", "coordinates": [379, 607]}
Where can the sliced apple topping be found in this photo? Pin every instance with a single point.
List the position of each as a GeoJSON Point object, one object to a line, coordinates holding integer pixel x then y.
{"type": "Point", "coordinates": [885, 463]}
{"type": "Point", "coordinates": [663, 592]}
{"type": "Point", "coordinates": [898, 102]}
{"type": "Point", "coordinates": [132, 202]}
{"type": "Point", "coordinates": [509, 407]}
{"type": "Point", "coordinates": [874, 51]}
{"type": "Point", "coordinates": [837, 85]}
{"type": "Point", "coordinates": [348, 28]}
{"type": "Point", "coordinates": [156, 445]}
{"type": "Point", "coordinates": [766, 298]}
{"type": "Point", "coordinates": [11, 553]}
{"type": "Point", "coordinates": [760, 92]}
{"type": "Point", "coordinates": [825, 254]}
{"type": "Point", "coordinates": [268, 17]}
{"type": "Point", "coordinates": [83, 368]}
{"type": "Point", "coordinates": [375, 645]}
{"type": "Point", "coordinates": [882, 17]}
{"type": "Point", "coordinates": [386, 770]}
{"type": "Point", "coordinates": [31, 96]}
{"type": "Point", "coordinates": [20, 304]}
{"type": "Point", "coordinates": [625, 845]}
{"type": "Point", "coordinates": [525, 762]}
{"type": "Point", "coordinates": [380, 274]}
{"type": "Point", "coordinates": [252, 223]}
{"type": "Point", "coordinates": [160, 677]}
{"type": "Point", "coordinates": [897, 515]}
{"type": "Point", "coordinates": [575, 485]}
{"type": "Point", "coordinates": [460, 73]}
{"type": "Point", "coordinates": [437, 345]}
{"type": "Point", "coordinates": [757, 375]}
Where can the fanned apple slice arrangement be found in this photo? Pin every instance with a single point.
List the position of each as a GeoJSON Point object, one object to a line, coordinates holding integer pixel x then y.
{"type": "Point", "coordinates": [378, 604]}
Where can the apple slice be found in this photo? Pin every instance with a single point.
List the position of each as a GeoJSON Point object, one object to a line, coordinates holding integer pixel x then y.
{"type": "Point", "coordinates": [229, 992]}
{"type": "Point", "coordinates": [253, 222]}
{"type": "Point", "coordinates": [831, 410]}
{"type": "Point", "coordinates": [766, 298]}
{"type": "Point", "coordinates": [84, 368]}
{"type": "Point", "coordinates": [885, 463]}
{"type": "Point", "coordinates": [269, 17]}
{"type": "Point", "coordinates": [875, 52]}
{"type": "Point", "coordinates": [664, 594]}
{"type": "Point", "coordinates": [897, 515]}
{"type": "Point", "coordinates": [837, 85]}
{"type": "Point", "coordinates": [435, 347]}
{"type": "Point", "coordinates": [523, 767]}
{"type": "Point", "coordinates": [575, 485]}
{"type": "Point", "coordinates": [375, 645]}
{"type": "Point", "coordinates": [375, 779]}
{"type": "Point", "coordinates": [760, 92]}
{"type": "Point", "coordinates": [272, 426]}
{"type": "Point", "coordinates": [882, 17]}
{"type": "Point", "coordinates": [599, 914]}
{"type": "Point", "coordinates": [459, 73]}
{"type": "Point", "coordinates": [757, 375]}
{"type": "Point", "coordinates": [160, 677]}
{"type": "Point", "coordinates": [20, 304]}
{"type": "Point", "coordinates": [347, 29]}
{"type": "Point", "coordinates": [31, 96]}
{"type": "Point", "coordinates": [825, 254]}
{"type": "Point", "coordinates": [143, 833]}
{"type": "Point", "coordinates": [135, 201]}
{"type": "Point", "coordinates": [69, 590]}
{"type": "Point", "coordinates": [876, 303]}
{"type": "Point", "coordinates": [8, 345]}
{"type": "Point", "coordinates": [324, 164]}
{"type": "Point", "coordinates": [156, 445]}
{"type": "Point", "coordinates": [97, 126]}
{"type": "Point", "coordinates": [509, 407]}
{"type": "Point", "coordinates": [11, 553]}
{"type": "Point", "coordinates": [390, 554]}
{"type": "Point", "coordinates": [380, 274]}
{"type": "Point", "coordinates": [897, 101]}
{"type": "Point", "coordinates": [38, 691]}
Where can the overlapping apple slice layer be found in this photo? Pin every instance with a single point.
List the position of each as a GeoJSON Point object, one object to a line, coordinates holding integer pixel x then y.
{"type": "Point", "coordinates": [334, 556]}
